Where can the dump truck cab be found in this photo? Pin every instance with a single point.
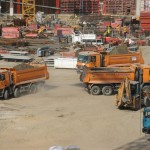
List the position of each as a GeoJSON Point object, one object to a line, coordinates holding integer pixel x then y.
{"type": "Point", "coordinates": [88, 58]}
{"type": "Point", "coordinates": [18, 78]}
{"type": "Point", "coordinates": [4, 78]}
{"type": "Point", "coordinates": [146, 120]}
{"type": "Point", "coordinates": [92, 59]}
{"type": "Point", "coordinates": [5, 82]}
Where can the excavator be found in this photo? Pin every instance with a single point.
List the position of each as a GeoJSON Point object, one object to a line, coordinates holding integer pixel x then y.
{"type": "Point", "coordinates": [128, 95]}
{"type": "Point", "coordinates": [135, 94]}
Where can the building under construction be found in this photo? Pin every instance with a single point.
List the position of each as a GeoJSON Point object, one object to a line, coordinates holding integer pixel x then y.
{"type": "Point", "coordinates": [119, 7]}
{"type": "Point", "coordinates": [80, 6]}
{"type": "Point", "coordinates": [115, 7]}
{"type": "Point", "coordinates": [46, 6]}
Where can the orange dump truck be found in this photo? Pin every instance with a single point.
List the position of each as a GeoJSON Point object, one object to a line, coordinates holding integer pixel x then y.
{"type": "Point", "coordinates": [107, 79]}
{"type": "Point", "coordinates": [22, 78]}
{"type": "Point", "coordinates": [94, 59]}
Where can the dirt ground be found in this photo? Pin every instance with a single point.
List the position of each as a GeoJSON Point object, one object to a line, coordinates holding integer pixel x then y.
{"type": "Point", "coordinates": [65, 114]}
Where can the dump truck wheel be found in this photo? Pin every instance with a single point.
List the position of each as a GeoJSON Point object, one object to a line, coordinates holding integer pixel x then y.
{"type": "Point", "coordinates": [33, 89]}
{"type": "Point", "coordinates": [107, 90]}
{"type": "Point", "coordinates": [137, 105]}
{"type": "Point", "coordinates": [137, 74]}
{"type": "Point", "coordinates": [17, 92]}
{"type": "Point", "coordinates": [145, 88]}
{"type": "Point", "coordinates": [146, 102]}
{"type": "Point", "coordinates": [6, 94]}
{"type": "Point", "coordinates": [95, 90]}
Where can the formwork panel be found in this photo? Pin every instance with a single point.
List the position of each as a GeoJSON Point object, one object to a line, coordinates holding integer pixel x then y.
{"type": "Point", "coordinates": [119, 7]}
{"type": "Point", "coordinates": [80, 6]}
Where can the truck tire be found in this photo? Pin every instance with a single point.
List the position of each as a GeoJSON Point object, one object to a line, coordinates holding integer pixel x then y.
{"type": "Point", "coordinates": [6, 94]}
{"type": "Point", "coordinates": [16, 92]}
{"type": "Point", "coordinates": [146, 102]}
{"type": "Point", "coordinates": [137, 104]}
{"type": "Point", "coordinates": [107, 90]}
{"type": "Point", "coordinates": [145, 88]}
{"type": "Point", "coordinates": [137, 74]}
{"type": "Point", "coordinates": [33, 89]}
{"type": "Point", "coordinates": [95, 90]}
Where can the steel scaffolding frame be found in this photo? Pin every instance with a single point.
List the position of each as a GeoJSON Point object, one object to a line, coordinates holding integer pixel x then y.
{"type": "Point", "coordinates": [80, 6]}
{"type": "Point", "coordinates": [119, 7]}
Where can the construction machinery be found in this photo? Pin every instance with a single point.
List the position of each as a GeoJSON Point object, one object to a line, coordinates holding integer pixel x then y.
{"type": "Point", "coordinates": [107, 79]}
{"type": "Point", "coordinates": [22, 78]}
{"type": "Point", "coordinates": [129, 95]}
{"type": "Point", "coordinates": [146, 120]}
{"type": "Point", "coordinates": [28, 10]}
{"type": "Point", "coordinates": [133, 94]}
{"type": "Point", "coordinates": [92, 59]}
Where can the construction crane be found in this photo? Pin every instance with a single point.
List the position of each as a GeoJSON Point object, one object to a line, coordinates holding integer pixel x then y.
{"type": "Point", "coordinates": [28, 10]}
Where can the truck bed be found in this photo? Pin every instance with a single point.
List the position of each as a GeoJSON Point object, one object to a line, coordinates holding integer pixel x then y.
{"type": "Point", "coordinates": [106, 75]}
{"type": "Point", "coordinates": [33, 73]}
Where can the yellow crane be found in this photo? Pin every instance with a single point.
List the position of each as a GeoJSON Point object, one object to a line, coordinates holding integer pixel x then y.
{"type": "Point", "coordinates": [28, 10]}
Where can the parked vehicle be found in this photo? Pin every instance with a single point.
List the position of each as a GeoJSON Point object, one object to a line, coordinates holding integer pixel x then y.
{"type": "Point", "coordinates": [45, 51]}
{"type": "Point", "coordinates": [146, 120]}
{"type": "Point", "coordinates": [107, 79]}
{"type": "Point", "coordinates": [134, 94]}
{"type": "Point", "coordinates": [22, 78]}
{"type": "Point", "coordinates": [92, 59]}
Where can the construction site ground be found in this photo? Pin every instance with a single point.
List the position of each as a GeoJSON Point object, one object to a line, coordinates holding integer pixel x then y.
{"type": "Point", "coordinates": [65, 114]}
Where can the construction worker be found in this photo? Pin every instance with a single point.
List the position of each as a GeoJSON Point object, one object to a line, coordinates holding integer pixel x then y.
{"type": "Point", "coordinates": [118, 30]}
{"type": "Point", "coordinates": [41, 29]}
{"type": "Point", "coordinates": [108, 31]}
{"type": "Point", "coordinates": [125, 31]}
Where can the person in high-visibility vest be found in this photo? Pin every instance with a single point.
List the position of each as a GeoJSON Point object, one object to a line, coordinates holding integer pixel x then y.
{"type": "Point", "coordinates": [125, 31]}
{"type": "Point", "coordinates": [118, 30]}
{"type": "Point", "coordinates": [107, 33]}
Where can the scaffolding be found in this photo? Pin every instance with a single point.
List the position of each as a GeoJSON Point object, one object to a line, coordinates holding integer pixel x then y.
{"type": "Point", "coordinates": [80, 6]}
{"type": "Point", "coordinates": [119, 7]}
{"type": "Point", "coordinates": [28, 10]}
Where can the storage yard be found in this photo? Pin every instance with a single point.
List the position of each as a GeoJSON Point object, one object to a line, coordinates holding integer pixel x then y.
{"type": "Point", "coordinates": [75, 75]}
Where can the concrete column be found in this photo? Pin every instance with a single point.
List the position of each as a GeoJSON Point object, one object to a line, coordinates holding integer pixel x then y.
{"type": "Point", "coordinates": [11, 7]}
{"type": "Point", "coordinates": [138, 7]}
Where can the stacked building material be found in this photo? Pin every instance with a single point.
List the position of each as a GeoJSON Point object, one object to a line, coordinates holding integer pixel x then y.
{"type": "Point", "coordinates": [145, 21]}
{"type": "Point", "coordinates": [80, 6]}
{"type": "Point", "coordinates": [10, 32]}
{"type": "Point", "coordinates": [119, 7]}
